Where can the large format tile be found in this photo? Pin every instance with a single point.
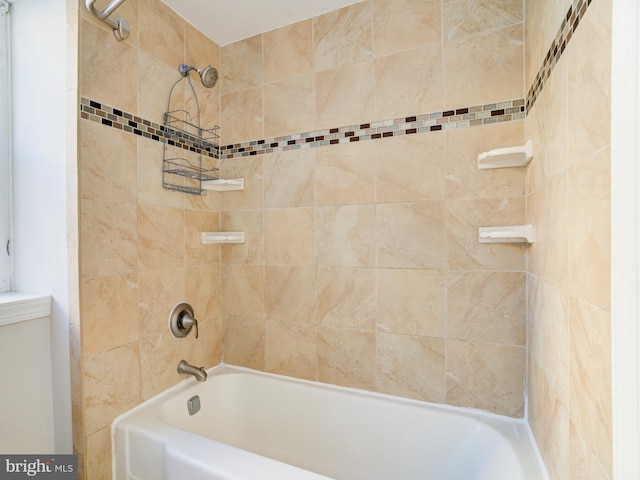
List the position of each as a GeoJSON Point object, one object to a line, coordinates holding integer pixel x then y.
{"type": "Point", "coordinates": [590, 363]}
{"type": "Point", "coordinates": [411, 302]}
{"type": "Point", "coordinates": [99, 454]}
{"type": "Point", "coordinates": [289, 178]}
{"type": "Point", "coordinates": [400, 25]}
{"type": "Point", "coordinates": [289, 236]}
{"type": "Point", "coordinates": [487, 307]}
{"type": "Point", "coordinates": [161, 237]}
{"type": "Point", "coordinates": [242, 117]}
{"type": "Point", "coordinates": [345, 236]}
{"type": "Point", "coordinates": [347, 298]}
{"type": "Point", "coordinates": [111, 385]}
{"type": "Point", "coordinates": [589, 98]}
{"type": "Point", "coordinates": [344, 95]}
{"type": "Point", "coordinates": [159, 358]}
{"type": "Point", "coordinates": [290, 293]}
{"type": "Point", "coordinates": [347, 357]}
{"type": "Point", "coordinates": [108, 164]}
{"type": "Point", "coordinates": [486, 376]}
{"type": "Point", "coordinates": [464, 17]}
{"type": "Point", "coordinates": [291, 349]}
{"type": "Point", "coordinates": [342, 37]}
{"type": "Point", "coordinates": [400, 81]}
{"type": "Point", "coordinates": [288, 106]}
{"type": "Point", "coordinates": [241, 65]}
{"type": "Point", "coordinates": [162, 32]}
{"type": "Point", "coordinates": [109, 312]}
{"type": "Point", "coordinates": [105, 63]}
{"type": "Point", "coordinates": [590, 230]}
{"type": "Point", "coordinates": [108, 238]}
{"type": "Point", "coordinates": [411, 366]}
{"type": "Point", "coordinates": [484, 68]}
{"type": "Point", "coordinates": [243, 341]}
{"type": "Point", "coordinates": [243, 290]}
{"type": "Point", "coordinates": [411, 235]}
{"type": "Point", "coordinates": [344, 174]}
{"type": "Point", "coordinates": [288, 51]}
{"type": "Point", "coordinates": [410, 168]}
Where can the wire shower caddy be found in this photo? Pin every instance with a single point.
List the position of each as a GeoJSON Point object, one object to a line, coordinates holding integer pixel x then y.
{"type": "Point", "coordinates": [185, 145]}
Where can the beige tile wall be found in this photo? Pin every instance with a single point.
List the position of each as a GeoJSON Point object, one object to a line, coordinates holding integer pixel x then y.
{"type": "Point", "coordinates": [362, 265]}
{"type": "Point", "coordinates": [374, 60]}
{"type": "Point", "coordinates": [568, 198]}
{"type": "Point", "coordinates": [139, 249]}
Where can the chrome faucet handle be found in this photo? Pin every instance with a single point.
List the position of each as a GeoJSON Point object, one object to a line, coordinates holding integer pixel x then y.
{"type": "Point", "coordinates": [186, 321]}
{"type": "Point", "coordinates": [182, 320]}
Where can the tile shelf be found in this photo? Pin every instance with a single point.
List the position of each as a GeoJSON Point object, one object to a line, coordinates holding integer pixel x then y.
{"type": "Point", "coordinates": [509, 234]}
{"type": "Point", "coordinates": [207, 238]}
{"type": "Point", "coordinates": [223, 185]}
{"type": "Point", "coordinates": [508, 157]}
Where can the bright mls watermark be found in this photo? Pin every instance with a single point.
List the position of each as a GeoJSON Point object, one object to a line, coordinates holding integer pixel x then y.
{"type": "Point", "coordinates": [49, 467]}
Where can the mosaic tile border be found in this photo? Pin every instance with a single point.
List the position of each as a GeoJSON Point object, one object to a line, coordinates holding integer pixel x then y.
{"type": "Point", "coordinates": [568, 27]}
{"type": "Point", "coordinates": [425, 123]}
{"type": "Point", "coordinates": [120, 120]}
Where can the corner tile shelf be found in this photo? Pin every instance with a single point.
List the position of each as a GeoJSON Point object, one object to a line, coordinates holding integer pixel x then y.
{"type": "Point", "coordinates": [508, 157]}
{"type": "Point", "coordinates": [224, 185]}
{"type": "Point", "coordinates": [509, 234]}
{"type": "Point", "coordinates": [207, 238]}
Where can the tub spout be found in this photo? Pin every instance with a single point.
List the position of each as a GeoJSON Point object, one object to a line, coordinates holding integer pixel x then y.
{"type": "Point", "coordinates": [198, 372]}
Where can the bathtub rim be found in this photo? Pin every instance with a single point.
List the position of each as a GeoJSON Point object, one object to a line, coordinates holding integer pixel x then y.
{"type": "Point", "coordinates": [491, 419]}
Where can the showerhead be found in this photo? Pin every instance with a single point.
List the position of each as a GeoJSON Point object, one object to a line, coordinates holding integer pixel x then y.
{"type": "Point", "coordinates": [208, 75]}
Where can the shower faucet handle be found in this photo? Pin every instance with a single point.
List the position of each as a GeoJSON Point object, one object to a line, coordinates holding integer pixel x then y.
{"type": "Point", "coordinates": [182, 320]}
{"type": "Point", "coordinates": [186, 321]}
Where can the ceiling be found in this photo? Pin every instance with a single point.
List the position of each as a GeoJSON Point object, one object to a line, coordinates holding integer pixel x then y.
{"type": "Point", "coordinates": [227, 21]}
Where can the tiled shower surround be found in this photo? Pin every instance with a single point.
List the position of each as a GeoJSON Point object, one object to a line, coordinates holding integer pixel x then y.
{"type": "Point", "coordinates": [357, 134]}
{"type": "Point", "coordinates": [568, 268]}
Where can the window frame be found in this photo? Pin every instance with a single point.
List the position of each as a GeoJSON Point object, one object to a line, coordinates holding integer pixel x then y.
{"type": "Point", "coordinates": [6, 267]}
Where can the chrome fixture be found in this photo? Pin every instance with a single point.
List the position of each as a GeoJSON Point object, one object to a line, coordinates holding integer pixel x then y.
{"type": "Point", "coordinates": [120, 26]}
{"type": "Point", "coordinates": [198, 372]}
{"type": "Point", "coordinates": [193, 405]}
{"type": "Point", "coordinates": [208, 75]}
{"type": "Point", "coordinates": [182, 320]}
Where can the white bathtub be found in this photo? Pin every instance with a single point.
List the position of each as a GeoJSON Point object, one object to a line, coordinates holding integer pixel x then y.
{"type": "Point", "coordinates": [258, 426]}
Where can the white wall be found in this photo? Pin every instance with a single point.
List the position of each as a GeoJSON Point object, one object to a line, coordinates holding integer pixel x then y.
{"type": "Point", "coordinates": [27, 410]}
{"type": "Point", "coordinates": [625, 229]}
{"type": "Point", "coordinates": [39, 166]}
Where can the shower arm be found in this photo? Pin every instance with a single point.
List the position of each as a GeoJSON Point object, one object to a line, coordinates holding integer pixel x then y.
{"type": "Point", "coordinates": [119, 25]}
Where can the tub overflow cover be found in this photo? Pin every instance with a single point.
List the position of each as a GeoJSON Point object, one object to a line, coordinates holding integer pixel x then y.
{"type": "Point", "coordinates": [193, 405]}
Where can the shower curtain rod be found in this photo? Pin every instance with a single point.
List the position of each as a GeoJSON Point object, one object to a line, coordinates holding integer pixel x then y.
{"type": "Point", "coordinates": [119, 25]}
